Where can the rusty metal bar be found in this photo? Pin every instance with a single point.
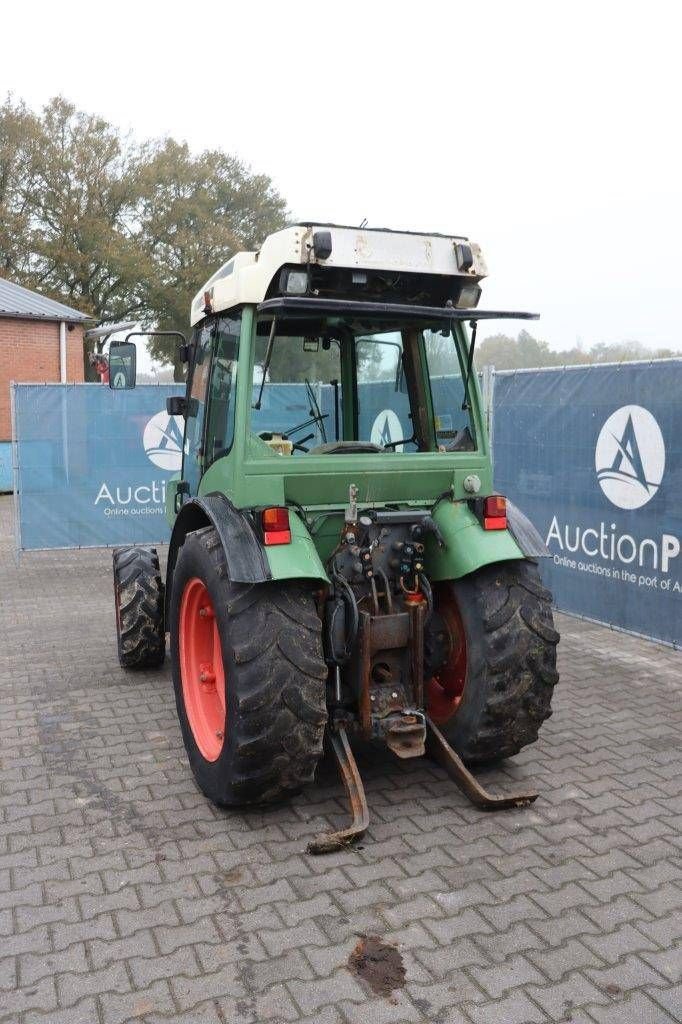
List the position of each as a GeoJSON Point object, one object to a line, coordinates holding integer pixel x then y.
{"type": "Point", "coordinates": [417, 612]}
{"type": "Point", "coordinates": [328, 842]}
{"type": "Point", "coordinates": [365, 659]}
{"type": "Point", "coordinates": [438, 748]}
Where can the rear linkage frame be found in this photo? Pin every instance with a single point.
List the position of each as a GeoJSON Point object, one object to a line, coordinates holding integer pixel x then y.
{"type": "Point", "coordinates": [440, 751]}
{"type": "Point", "coordinates": [407, 730]}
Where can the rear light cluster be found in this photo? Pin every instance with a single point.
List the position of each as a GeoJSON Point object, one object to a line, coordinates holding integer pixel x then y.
{"type": "Point", "coordinates": [495, 512]}
{"type": "Point", "coordinates": [275, 526]}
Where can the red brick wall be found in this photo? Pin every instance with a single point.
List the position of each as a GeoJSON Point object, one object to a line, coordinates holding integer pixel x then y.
{"type": "Point", "coordinates": [29, 352]}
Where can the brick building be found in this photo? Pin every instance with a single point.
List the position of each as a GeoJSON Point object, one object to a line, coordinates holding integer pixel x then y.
{"type": "Point", "coordinates": [40, 340]}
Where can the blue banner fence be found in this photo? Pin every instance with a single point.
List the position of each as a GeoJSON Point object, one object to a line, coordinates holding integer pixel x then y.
{"type": "Point", "coordinates": [592, 454]}
{"type": "Point", "coordinates": [91, 464]}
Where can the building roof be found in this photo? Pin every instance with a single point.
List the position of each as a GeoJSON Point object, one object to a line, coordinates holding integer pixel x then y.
{"type": "Point", "coordinates": [24, 304]}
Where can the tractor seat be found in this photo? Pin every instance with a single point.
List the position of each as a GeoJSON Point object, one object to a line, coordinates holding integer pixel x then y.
{"type": "Point", "coordinates": [346, 448]}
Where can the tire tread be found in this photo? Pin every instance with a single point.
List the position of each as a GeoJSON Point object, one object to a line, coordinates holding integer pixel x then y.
{"type": "Point", "coordinates": [278, 671]}
{"type": "Point", "coordinates": [518, 670]}
{"type": "Point", "coordinates": [139, 597]}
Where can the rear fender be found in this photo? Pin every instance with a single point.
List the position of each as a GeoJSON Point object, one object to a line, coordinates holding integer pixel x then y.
{"type": "Point", "coordinates": [248, 561]}
{"type": "Point", "coordinates": [468, 546]}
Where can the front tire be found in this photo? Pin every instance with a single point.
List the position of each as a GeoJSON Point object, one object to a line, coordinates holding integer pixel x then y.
{"type": "Point", "coordinates": [253, 726]}
{"type": "Point", "coordinates": [138, 600]}
{"type": "Point", "coordinates": [494, 689]}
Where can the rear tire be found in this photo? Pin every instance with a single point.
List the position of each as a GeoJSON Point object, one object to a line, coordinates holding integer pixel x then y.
{"type": "Point", "coordinates": [273, 677]}
{"type": "Point", "coordinates": [506, 657]}
{"type": "Point", "coordinates": [138, 599]}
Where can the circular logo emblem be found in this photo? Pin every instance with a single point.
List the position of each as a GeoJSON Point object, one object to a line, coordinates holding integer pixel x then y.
{"type": "Point", "coordinates": [162, 440]}
{"type": "Point", "coordinates": [630, 457]}
{"type": "Point", "coordinates": [387, 427]}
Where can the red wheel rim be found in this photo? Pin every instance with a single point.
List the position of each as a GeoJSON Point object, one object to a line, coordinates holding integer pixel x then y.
{"type": "Point", "coordinates": [445, 689]}
{"type": "Point", "coordinates": [202, 669]}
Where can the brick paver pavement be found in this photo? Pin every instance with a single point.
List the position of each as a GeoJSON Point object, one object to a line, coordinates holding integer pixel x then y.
{"type": "Point", "coordinates": [125, 896]}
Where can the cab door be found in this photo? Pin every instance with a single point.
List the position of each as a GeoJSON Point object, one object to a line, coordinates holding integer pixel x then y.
{"type": "Point", "coordinates": [220, 414]}
{"type": "Point", "coordinates": [193, 455]}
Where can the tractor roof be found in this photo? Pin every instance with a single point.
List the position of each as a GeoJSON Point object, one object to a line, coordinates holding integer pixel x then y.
{"type": "Point", "coordinates": [248, 277]}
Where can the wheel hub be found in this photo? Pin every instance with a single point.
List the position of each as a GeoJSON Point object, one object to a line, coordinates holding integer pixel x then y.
{"type": "Point", "coordinates": [445, 688]}
{"type": "Point", "coordinates": [202, 669]}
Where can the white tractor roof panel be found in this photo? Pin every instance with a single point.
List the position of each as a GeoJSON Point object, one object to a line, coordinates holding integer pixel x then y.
{"type": "Point", "coordinates": [247, 276]}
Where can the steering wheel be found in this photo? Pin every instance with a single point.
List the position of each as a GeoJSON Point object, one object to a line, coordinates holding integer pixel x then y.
{"type": "Point", "coordinates": [300, 445]}
{"type": "Point", "coordinates": [401, 440]}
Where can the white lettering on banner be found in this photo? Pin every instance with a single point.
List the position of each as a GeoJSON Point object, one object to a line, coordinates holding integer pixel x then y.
{"type": "Point", "coordinates": [145, 494]}
{"type": "Point", "coordinates": [104, 492]}
{"type": "Point", "coordinates": [620, 549]}
{"type": "Point", "coordinates": [144, 511]}
{"type": "Point", "coordinates": [671, 549]}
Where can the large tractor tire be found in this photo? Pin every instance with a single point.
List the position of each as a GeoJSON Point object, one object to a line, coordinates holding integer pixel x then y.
{"type": "Point", "coordinates": [249, 677]}
{"type": "Point", "coordinates": [494, 689]}
{"type": "Point", "coordinates": [138, 598]}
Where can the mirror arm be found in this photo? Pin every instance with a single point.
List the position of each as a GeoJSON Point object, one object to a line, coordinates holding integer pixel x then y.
{"type": "Point", "coordinates": [157, 334]}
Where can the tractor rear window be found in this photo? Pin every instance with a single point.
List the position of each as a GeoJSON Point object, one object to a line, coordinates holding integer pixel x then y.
{"type": "Point", "coordinates": [329, 384]}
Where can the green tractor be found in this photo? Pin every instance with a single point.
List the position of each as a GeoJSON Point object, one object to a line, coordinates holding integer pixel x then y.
{"type": "Point", "coordinates": [340, 564]}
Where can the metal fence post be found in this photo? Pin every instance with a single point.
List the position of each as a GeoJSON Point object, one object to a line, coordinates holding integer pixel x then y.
{"type": "Point", "coordinates": [15, 470]}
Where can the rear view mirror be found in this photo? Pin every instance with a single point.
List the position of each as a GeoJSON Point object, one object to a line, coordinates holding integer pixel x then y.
{"type": "Point", "coordinates": [122, 365]}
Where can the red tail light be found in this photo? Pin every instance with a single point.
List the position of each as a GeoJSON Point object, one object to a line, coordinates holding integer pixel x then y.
{"type": "Point", "coordinates": [495, 512]}
{"type": "Point", "coordinates": [275, 524]}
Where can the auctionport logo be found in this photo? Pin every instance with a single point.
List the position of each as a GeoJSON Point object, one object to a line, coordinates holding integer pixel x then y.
{"type": "Point", "coordinates": [162, 440]}
{"type": "Point", "coordinates": [630, 457]}
{"type": "Point", "coordinates": [386, 428]}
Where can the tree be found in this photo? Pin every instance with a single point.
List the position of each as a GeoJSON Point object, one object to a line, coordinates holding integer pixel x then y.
{"type": "Point", "coordinates": [195, 213]}
{"type": "Point", "coordinates": [18, 129]}
{"type": "Point", "coordinates": [120, 229]}
{"type": "Point", "coordinates": [78, 195]}
{"type": "Point", "coordinates": [500, 351]}
{"type": "Point", "coordinates": [526, 352]}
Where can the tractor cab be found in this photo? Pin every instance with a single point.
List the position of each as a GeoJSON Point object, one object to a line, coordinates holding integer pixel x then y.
{"type": "Point", "coordinates": [336, 341]}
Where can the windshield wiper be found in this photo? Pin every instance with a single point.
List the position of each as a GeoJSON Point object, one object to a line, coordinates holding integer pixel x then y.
{"type": "Point", "coordinates": [266, 362]}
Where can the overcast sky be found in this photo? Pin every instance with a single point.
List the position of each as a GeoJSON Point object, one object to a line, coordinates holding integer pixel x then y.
{"type": "Point", "coordinates": [548, 132]}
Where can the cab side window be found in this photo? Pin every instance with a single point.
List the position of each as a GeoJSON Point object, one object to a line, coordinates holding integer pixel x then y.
{"type": "Point", "coordinates": [222, 389]}
{"type": "Point", "coordinates": [193, 460]}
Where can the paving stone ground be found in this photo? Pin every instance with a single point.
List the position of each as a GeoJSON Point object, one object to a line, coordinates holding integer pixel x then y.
{"type": "Point", "coordinates": [125, 896]}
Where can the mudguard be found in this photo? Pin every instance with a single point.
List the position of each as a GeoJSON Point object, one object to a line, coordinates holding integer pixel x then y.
{"type": "Point", "coordinates": [248, 561]}
{"type": "Point", "coordinates": [468, 546]}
